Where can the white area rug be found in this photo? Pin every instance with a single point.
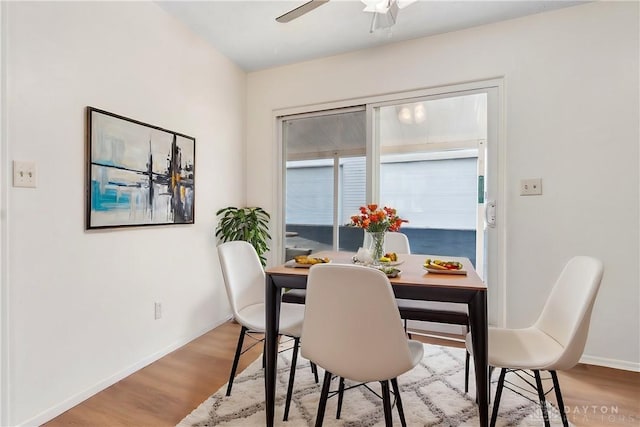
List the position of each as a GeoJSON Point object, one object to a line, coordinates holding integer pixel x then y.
{"type": "Point", "coordinates": [432, 395]}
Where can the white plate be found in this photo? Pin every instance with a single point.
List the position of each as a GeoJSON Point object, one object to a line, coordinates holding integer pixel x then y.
{"type": "Point", "coordinates": [435, 270]}
{"type": "Point", "coordinates": [392, 263]}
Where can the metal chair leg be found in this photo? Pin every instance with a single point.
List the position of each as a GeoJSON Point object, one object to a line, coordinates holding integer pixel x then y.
{"type": "Point", "coordinates": [466, 372]}
{"type": "Point", "coordinates": [496, 403]}
{"type": "Point", "coordinates": [340, 397]}
{"type": "Point", "coordinates": [396, 391]}
{"type": "Point", "coordinates": [292, 376]}
{"type": "Point", "coordinates": [556, 385]}
{"type": "Point", "coordinates": [324, 394]}
{"type": "Point", "coordinates": [386, 403]}
{"type": "Point", "coordinates": [235, 359]}
{"type": "Point", "coordinates": [314, 369]}
{"type": "Point", "coordinates": [543, 402]}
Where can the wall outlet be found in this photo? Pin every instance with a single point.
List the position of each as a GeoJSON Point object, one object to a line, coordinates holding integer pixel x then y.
{"type": "Point", "coordinates": [158, 310]}
{"type": "Point", "coordinates": [531, 187]}
{"type": "Point", "coordinates": [24, 174]}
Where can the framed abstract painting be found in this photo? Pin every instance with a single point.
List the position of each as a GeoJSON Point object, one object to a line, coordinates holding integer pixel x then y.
{"type": "Point", "coordinates": [137, 174]}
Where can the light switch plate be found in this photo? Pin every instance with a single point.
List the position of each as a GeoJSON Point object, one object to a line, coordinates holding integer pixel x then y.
{"type": "Point", "coordinates": [531, 187]}
{"type": "Point", "coordinates": [24, 174]}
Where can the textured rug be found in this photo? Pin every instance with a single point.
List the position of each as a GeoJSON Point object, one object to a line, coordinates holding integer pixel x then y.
{"type": "Point", "coordinates": [432, 395]}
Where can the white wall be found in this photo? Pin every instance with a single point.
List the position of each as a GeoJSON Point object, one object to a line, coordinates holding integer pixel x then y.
{"type": "Point", "coordinates": [81, 303]}
{"type": "Point", "coordinates": [571, 104]}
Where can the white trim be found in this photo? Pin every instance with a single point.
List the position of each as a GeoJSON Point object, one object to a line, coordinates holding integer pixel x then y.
{"type": "Point", "coordinates": [501, 208]}
{"type": "Point", "coordinates": [277, 219]}
{"type": "Point", "coordinates": [372, 158]}
{"type": "Point", "coordinates": [495, 190]}
{"type": "Point", "coordinates": [322, 112]}
{"type": "Point", "coordinates": [610, 363]}
{"type": "Point", "coordinates": [468, 86]}
{"type": "Point", "coordinates": [4, 235]}
{"type": "Point", "coordinates": [336, 201]}
{"type": "Point", "coordinates": [69, 403]}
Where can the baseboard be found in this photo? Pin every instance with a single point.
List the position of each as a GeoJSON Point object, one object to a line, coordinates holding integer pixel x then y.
{"type": "Point", "coordinates": [610, 363]}
{"type": "Point", "coordinates": [69, 403]}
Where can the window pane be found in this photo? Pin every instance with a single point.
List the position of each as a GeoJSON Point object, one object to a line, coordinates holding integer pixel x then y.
{"type": "Point", "coordinates": [415, 126]}
{"type": "Point", "coordinates": [309, 206]}
{"type": "Point", "coordinates": [353, 175]}
{"type": "Point", "coordinates": [438, 198]}
{"type": "Point", "coordinates": [310, 192]}
{"type": "Point", "coordinates": [432, 193]}
{"type": "Point", "coordinates": [315, 146]}
{"type": "Point", "coordinates": [325, 135]}
{"type": "Point", "coordinates": [428, 170]}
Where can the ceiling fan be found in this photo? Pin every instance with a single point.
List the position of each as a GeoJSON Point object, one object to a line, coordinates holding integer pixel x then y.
{"type": "Point", "coordinates": [384, 12]}
{"type": "Point", "coordinates": [300, 10]}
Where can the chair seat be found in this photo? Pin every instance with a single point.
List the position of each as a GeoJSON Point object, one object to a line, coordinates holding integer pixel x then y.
{"type": "Point", "coordinates": [371, 374]}
{"type": "Point", "coordinates": [527, 348]}
{"type": "Point", "coordinates": [291, 315]}
{"type": "Point", "coordinates": [433, 311]}
{"type": "Point", "coordinates": [295, 296]}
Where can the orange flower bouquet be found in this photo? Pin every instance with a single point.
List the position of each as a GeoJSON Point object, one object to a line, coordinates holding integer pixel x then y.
{"type": "Point", "coordinates": [375, 219]}
{"type": "Point", "coordinates": [376, 222]}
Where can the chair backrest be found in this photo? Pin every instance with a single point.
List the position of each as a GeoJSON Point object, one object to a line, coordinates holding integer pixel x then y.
{"type": "Point", "coordinates": [393, 242]}
{"type": "Point", "coordinates": [243, 275]}
{"type": "Point", "coordinates": [352, 326]}
{"type": "Point", "coordinates": [567, 312]}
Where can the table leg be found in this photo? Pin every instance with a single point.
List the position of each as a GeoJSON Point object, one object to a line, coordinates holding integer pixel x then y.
{"type": "Point", "coordinates": [478, 322]}
{"type": "Point", "coordinates": [272, 309]}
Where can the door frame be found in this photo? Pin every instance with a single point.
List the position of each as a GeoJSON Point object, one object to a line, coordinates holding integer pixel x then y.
{"type": "Point", "coordinates": [4, 253]}
{"type": "Point", "coordinates": [495, 185]}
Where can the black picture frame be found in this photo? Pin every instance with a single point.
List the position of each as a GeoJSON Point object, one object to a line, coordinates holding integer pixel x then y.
{"type": "Point", "coordinates": [137, 174]}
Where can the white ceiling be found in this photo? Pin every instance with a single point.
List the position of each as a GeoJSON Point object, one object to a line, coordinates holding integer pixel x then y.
{"type": "Point", "coordinates": [247, 33]}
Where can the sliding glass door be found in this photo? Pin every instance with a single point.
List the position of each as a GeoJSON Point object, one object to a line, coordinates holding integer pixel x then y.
{"type": "Point", "coordinates": [432, 156]}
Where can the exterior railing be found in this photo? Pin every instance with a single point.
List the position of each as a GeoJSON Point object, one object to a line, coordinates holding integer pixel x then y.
{"type": "Point", "coordinates": [443, 242]}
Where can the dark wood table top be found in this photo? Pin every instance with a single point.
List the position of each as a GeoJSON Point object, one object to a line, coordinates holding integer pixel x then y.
{"type": "Point", "coordinates": [413, 272]}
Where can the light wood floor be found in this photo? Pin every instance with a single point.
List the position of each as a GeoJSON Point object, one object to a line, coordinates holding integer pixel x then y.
{"type": "Point", "coordinates": [166, 391]}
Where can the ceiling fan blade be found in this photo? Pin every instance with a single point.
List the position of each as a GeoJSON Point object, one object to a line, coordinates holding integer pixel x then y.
{"type": "Point", "coordinates": [300, 10]}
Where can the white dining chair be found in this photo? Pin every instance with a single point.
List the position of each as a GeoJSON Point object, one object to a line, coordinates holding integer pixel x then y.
{"type": "Point", "coordinates": [363, 342]}
{"type": "Point", "coordinates": [556, 340]}
{"type": "Point", "coordinates": [244, 280]}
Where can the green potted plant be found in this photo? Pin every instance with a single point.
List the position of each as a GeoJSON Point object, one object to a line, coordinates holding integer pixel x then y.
{"type": "Point", "coordinates": [248, 224]}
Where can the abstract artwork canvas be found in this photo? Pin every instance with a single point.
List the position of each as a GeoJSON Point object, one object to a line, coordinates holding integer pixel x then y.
{"type": "Point", "coordinates": [137, 174]}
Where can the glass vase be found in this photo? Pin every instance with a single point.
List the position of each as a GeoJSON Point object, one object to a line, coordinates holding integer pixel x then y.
{"type": "Point", "coordinates": [374, 242]}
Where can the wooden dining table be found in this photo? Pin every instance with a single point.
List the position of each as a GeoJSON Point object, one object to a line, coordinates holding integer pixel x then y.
{"type": "Point", "coordinates": [414, 282]}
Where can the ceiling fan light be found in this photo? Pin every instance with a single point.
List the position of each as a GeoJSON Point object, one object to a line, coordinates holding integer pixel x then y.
{"type": "Point", "coordinates": [385, 20]}
{"type": "Point", "coordinates": [419, 113]}
{"type": "Point", "coordinates": [410, 114]}
{"type": "Point", "coordinates": [377, 6]}
{"type": "Point", "coordinates": [404, 115]}
{"type": "Point", "coordinates": [383, 7]}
